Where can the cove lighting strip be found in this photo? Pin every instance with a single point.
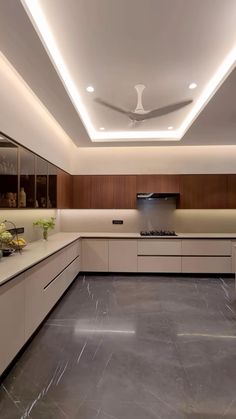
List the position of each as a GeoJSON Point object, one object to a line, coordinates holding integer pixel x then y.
{"type": "Point", "coordinates": [42, 27]}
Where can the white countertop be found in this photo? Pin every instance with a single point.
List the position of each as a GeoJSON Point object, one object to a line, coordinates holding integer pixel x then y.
{"type": "Point", "coordinates": [179, 236]}
{"type": "Point", "coordinates": [33, 253]}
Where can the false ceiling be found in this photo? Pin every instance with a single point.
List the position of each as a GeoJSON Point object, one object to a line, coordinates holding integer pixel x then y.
{"type": "Point", "coordinates": [113, 45]}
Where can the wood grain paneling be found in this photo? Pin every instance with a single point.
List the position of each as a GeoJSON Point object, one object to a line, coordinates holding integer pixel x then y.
{"type": "Point", "coordinates": [104, 192]}
{"type": "Point", "coordinates": [158, 183]}
{"type": "Point", "coordinates": [64, 190]}
{"type": "Point", "coordinates": [81, 192]}
{"type": "Point", "coordinates": [124, 191]}
{"type": "Point", "coordinates": [203, 191]}
{"type": "Point", "coordinates": [231, 195]}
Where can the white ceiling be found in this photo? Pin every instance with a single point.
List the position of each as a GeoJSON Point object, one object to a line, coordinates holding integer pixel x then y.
{"type": "Point", "coordinates": [112, 45]}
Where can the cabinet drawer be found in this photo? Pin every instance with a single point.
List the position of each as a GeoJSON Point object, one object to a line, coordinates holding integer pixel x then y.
{"type": "Point", "coordinates": [159, 247]}
{"type": "Point", "coordinates": [207, 264]}
{"type": "Point", "coordinates": [206, 247]}
{"type": "Point", "coordinates": [73, 250]}
{"type": "Point", "coordinates": [159, 264]}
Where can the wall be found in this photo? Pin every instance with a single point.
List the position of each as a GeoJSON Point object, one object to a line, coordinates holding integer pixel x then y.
{"type": "Point", "coordinates": [155, 160]}
{"type": "Point", "coordinates": [153, 215]}
{"type": "Point", "coordinates": [25, 119]}
{"type": "Point", "coordinates": [25, 218]}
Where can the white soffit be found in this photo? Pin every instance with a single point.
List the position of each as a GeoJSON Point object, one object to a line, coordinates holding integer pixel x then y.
{"type": "Point", "coordinates": [61, 37]}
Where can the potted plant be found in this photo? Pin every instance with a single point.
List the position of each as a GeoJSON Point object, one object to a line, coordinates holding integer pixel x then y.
{"type": "Point", "coordinates": [45, 224]}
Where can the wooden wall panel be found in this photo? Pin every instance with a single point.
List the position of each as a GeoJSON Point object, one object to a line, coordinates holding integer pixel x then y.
{"type": "Point", "coordinates": [64, 190]}
{"type": "Point", "coordinates": [203, 191]}
{"type": "Point", "coordinates": [231, 195]}
{"type": "Point", "coordinates": [158, 183]}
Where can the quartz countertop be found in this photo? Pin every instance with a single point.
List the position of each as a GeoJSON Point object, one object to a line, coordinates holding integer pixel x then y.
{"type": "Point", "coordinates": [138, 236]}
{"type": "Point", "coordinates": [32, 254]}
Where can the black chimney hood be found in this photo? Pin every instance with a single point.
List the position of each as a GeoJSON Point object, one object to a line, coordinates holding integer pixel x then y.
{"type": "Point", "coordinates": [157, 195]}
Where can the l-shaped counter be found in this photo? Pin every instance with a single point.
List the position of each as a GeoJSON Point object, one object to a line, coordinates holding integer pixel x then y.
{"type": "Point", "coordinates": [32, 282]}
{"type": "Point", "coordinates": [184, 245]}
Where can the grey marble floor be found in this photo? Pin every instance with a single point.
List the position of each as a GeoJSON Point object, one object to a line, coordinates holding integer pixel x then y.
{"type": "Point", "coordinates": [130, 347]}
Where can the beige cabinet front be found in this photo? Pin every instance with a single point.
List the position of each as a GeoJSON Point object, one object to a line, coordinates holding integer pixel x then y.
{"type": "Point", "coordinates": [206, 247]}
{"type": "Point", "coordinates": [159, 264]}
{"type": "Point", "coordinates": [123, 255]}
{"type": "Point", "coordinates": [95, 255]}
{"type": "Point", "coordinates": [156, 247]}
{"type": "Point", "coordinates": [206, 264]}
{"type": "Point", "coordinates": [12, 320]}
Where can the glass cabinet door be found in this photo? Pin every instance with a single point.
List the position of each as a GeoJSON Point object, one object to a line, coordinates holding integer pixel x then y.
{"type": "Point", "coordinates": [27, 179]}
{"type": "Point", "coordinates": [52, 186]}
{"type": "Point", "coordinates": [8, 173]}
{"type": "Point", "coordinates": [41, 182]}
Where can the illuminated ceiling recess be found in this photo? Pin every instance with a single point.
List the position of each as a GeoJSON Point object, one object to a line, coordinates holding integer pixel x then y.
{"type": "Point", "coordinates": [42, 26]}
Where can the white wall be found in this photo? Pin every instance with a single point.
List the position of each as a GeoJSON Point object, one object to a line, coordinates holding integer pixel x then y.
{"type": "Point", "coordinates": [26, 217]}
{"type": "Point", "coordinates": [24, 118]}
{"type": "Point", "coordinates": [141, 160]}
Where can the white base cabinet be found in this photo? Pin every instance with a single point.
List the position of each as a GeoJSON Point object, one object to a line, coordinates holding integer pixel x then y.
{"type": "Point", "coordinates": [12, 320]}
{"type": "Point", "coordinates": [157, 255]}
{"type": "Point", "coordinates": [27, 299]}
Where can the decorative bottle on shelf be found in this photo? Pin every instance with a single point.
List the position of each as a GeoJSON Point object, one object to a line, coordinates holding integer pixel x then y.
{"type": "Point", "coordinates": [22, 200]}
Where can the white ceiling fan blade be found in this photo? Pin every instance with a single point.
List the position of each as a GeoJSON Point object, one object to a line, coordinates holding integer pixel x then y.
{"type": "Point", "coordinates": [139, 89]}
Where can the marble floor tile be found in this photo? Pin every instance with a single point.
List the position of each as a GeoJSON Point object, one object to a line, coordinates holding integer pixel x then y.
{"type": "Point", "coordinates": [130, 347]}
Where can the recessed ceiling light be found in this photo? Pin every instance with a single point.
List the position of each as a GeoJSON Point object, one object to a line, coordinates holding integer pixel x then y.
{"type": "Point", "coordinates": [192, 86]}
{"type": "Point", "coordinates": [90, 89]}
{"type": "Point", "coordinates": [170, 127]}
{"type": "Point", "coordinates": [101, 128]}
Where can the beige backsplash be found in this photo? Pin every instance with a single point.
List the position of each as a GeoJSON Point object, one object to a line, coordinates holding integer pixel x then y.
{"type": "Point", "coordinates": [150, 215]}
{"type": "Point", "coordinates": [25, 218]}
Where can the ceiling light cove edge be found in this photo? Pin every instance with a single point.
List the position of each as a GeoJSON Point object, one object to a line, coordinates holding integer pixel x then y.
{"type": "Point", "coordinates": [39, 20]}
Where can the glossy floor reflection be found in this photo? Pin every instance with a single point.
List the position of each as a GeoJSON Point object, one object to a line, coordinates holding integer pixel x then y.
{"type": "Point", "coordinates": [127, 347]}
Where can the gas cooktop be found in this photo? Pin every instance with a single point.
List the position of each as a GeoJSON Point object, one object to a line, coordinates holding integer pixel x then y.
{"type": "Point", "coordinates": [158, 233]}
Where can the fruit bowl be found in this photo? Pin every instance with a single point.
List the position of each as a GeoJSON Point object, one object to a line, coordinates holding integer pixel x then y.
{"type": "Point", "coordinates": [18, 244]}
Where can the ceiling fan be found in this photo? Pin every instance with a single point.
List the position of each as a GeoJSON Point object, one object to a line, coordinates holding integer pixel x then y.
{"type": "Point", "coordinates": [140, 114]}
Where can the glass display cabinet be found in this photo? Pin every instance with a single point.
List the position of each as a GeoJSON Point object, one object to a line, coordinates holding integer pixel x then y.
{"type": "Point", "coordinates": [26, 180]}
{"type": "Point", "coordinates": [8, 173]}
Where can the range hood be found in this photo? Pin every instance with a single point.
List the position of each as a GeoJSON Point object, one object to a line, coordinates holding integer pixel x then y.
{"type": "Point", "coordinates": [157, 195]}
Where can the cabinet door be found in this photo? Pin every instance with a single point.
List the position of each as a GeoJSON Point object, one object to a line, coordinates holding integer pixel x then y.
{"type": "Point", "coordinates": [81, 192]}
{"type": "Point", "coordinates": [27, 178]}
{"type": "Point", "coordinates": [8, 174]}
{"type": "Point", "coordinates": [104, 192]}
{"type": "Point", "coordinates": [203, 191]}
{"type": "Point", "coordinates": [124, 191]}
{"type": "Point", "coordinates": [41, 182]}
{"type": "Point", "coordinates": [12, 320]}
{"type": "Point", "coordinates": [123, 255]}
{"type": "Point", "coordinates": [64, 189]}
{"type": "Point", "coordinates": [158, 183]}
{"type": "Point", "coordinates": [95, 255]}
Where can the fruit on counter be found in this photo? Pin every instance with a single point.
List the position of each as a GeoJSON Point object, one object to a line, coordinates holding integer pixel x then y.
{"type": "Point", "coordinates": [20, 242]}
